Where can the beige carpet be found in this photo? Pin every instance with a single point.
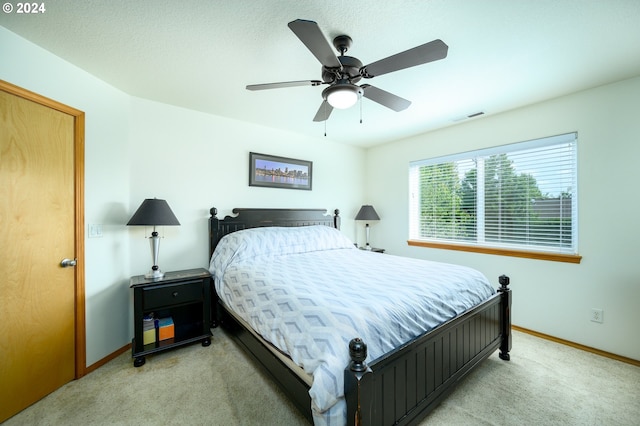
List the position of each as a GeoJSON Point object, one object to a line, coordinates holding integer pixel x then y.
{"type": "Point", "coordinates": [545, 383]}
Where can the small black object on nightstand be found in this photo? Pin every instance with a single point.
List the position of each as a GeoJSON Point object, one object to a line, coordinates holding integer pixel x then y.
{"type": "Point", "coordinates": [373, 249]}
{"type": "Point", "coordinates": [176, 309]}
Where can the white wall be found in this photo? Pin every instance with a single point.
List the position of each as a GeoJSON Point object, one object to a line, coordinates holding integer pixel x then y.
{"type": "Point", "coordinates": [197, 161]}
{"type": "Point", "coordinates": [549, 297]}
{"type": "Point", "coordinates": [136, 149]}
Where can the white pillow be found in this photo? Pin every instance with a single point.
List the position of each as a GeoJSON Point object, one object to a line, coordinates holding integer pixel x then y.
{"type": "Point", "coordinates": [274, 241]}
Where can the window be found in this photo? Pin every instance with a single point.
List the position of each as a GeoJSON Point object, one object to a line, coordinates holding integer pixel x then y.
{"type": "Point", "coordinates": [521, 196]}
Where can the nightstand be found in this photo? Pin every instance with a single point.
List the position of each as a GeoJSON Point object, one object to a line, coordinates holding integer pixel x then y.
{"type": "Point", "coordinates": [181, 299]}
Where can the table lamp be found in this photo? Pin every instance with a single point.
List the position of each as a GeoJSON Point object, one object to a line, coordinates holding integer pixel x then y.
{"type": "Point", "coordinates": [367, 213]}
{"type": "Point", "coordinates": [154, 212]}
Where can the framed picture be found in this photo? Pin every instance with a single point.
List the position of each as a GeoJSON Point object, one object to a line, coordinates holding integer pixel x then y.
{"type": "Point", "coordinates": [279, 172]}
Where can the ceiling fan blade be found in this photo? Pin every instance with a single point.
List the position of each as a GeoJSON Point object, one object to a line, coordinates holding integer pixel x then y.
{"type": "Point", "coordinates": [428, 52]}
{"type": "Point", "coordinates": [323, 112]}
{"type": "Point", "coordinates": [310, 35]}
{"type": "Point", "coordinates": [284, 84]}
{"type": "Point", "coordinates": [385, 98]}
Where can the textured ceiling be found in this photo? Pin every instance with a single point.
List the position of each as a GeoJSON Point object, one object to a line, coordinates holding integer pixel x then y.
{"type": "Point", "coordinates": [200, 55]}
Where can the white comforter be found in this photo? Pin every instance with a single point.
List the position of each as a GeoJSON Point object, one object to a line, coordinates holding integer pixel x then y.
{"type": "Point", "coordinates": [309, 291]}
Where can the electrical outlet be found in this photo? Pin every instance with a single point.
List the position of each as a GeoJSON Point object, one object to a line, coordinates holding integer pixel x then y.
{"type": "Point", "coordinates": [597, 315]}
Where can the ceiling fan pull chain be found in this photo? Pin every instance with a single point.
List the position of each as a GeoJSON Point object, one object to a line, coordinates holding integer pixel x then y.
{"type": "Point", "coordinates": [361, 110]}
{"type": "Point", "coordinates": [325, 121]}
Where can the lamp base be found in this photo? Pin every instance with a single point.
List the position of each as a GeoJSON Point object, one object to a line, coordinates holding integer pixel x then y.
{"type": "Point", "coordinates": [154, 274]}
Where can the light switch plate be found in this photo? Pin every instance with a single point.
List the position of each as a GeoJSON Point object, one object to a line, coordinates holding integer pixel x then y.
{"type": "Point", "coordinates": [95, 231]}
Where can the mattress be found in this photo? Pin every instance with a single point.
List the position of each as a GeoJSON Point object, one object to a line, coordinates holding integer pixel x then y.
{"type": "Point", "coordinates": [308, 291]}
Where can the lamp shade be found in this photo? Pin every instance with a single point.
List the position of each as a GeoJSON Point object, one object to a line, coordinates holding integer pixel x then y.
{"type": "Point", "coordinates": [367, 212]}
{"type": "Point", "coordinates": [154, 212]}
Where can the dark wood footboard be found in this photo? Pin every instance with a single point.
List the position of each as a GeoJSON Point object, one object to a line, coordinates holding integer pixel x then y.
{"type": "Point", "coordinates": [404, 385]}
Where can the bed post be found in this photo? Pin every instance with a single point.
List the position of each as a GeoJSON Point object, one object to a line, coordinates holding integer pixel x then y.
{"type": "Point", "coordinates": [213, 227]}
{"type": "Point", "coordinates": [336, 218]}
{"type": "Point", "coordinates": [505, 314]}
{"type": "Point", "coordinates": [357, 385]}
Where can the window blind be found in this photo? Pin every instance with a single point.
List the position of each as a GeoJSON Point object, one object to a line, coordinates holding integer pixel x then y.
{"type": "Point", "coordinates": [521, 196]}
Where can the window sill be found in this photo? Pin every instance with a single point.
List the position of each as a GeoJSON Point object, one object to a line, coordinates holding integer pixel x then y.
{"type": "Point", "coordinates": [554, 257]}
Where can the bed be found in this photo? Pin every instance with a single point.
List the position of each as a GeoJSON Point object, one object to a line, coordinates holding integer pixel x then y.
{"type": "Point", "coordinates": [405, 357]}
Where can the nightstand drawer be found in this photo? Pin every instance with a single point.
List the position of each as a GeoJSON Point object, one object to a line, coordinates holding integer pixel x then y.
{"type": "Point", "coordinates": [171, 294]}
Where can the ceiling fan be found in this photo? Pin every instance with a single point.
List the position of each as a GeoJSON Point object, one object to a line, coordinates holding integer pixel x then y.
{"type": "Point", "coordinates": [342, 72]}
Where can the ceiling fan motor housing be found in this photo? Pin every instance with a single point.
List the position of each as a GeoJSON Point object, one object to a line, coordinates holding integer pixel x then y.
{"type": "Point", "coordinates": [350, 70]}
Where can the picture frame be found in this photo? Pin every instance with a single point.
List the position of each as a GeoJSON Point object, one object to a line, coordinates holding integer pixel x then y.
{"type": "Point", "coordinates": [271, 171]}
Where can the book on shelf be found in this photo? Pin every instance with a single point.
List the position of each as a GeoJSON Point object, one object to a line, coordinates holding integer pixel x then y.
{"type": "Point", "coordinates": [166, 329]}
{"type": "Point", "coordinates": [149, 327]}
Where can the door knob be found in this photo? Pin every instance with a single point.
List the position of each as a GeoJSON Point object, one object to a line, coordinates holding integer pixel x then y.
{"type": "Point", "coordinates": [66, 263]}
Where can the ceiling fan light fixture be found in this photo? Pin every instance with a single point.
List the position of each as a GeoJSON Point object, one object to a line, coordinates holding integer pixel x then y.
{"type": "Point", "coordinates": [342, 95]}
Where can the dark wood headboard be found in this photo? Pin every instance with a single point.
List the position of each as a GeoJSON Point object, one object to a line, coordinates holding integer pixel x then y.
{"type": "Point", "coordinates": [255, 218]}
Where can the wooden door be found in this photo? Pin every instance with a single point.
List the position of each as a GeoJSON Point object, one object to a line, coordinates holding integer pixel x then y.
{"type": "Point", "coordinates": [38, 297]}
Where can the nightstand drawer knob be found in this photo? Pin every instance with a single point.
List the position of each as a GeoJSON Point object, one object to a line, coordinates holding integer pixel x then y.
{"type": "Point", "coordinates": [175, 294]}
